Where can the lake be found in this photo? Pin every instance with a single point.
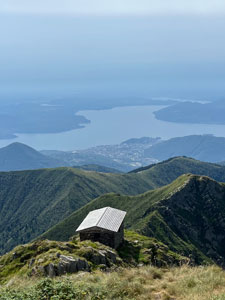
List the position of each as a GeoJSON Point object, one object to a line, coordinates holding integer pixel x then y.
{"type": "Point", "coordinates": [112, 127]}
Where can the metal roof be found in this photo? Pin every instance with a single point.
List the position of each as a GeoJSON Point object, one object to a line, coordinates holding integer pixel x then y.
{"type": "Point", "coordinates": [107, 218]}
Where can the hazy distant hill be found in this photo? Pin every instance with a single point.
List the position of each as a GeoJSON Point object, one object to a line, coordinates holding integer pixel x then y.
{"type": "Point", "coordinates": [124, 157]}
{"type": "Point", "coordinates": [38, 117]}
{"type": "Point", "coordinates": [202, 147]}
{"type": "Point", "coordinates": [33, 201]}
{"type": "Point", "coordinates": [141, 141]}
{"type": "Point", "coordinates": [188, 215]}
{"type": "Point", "coordinates": [193, 112]}
{"type": "Point", "coordinates": [18, 156]}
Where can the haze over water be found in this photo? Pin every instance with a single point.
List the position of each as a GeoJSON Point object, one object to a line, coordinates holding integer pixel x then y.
{"type": "Point", "coordinates": [112, 127]}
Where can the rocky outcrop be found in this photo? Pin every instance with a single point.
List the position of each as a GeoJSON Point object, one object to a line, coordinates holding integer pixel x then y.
{"type": "Point", "coordinates": [68, 264]}
{"type": "Point", "coordinates": [51, 258]}
{"type": "Point", "coordinates": [48, 257]}
{"type": "Point", "coordinates": [101, 257]}
{"type": "Point", "coordinates": [64, 264]}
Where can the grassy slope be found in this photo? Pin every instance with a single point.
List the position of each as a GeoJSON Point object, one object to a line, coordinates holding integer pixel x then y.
{"type": "Point", "coordinates": [98, 168]}
{"type": "Point", "coordinates": [136, 207]}
{"type": "Point", "coordinates": [33, 201]}
{"type": "Point", "coordinates": [186, 215]}
{"type": "Point", "coordinates": [165, 172]}
{"type": "Point", "coordinates": [181, 283]}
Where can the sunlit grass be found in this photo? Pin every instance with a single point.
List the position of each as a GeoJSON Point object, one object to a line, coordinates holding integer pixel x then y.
{"type": "Point", "coordinates": [185, 283]}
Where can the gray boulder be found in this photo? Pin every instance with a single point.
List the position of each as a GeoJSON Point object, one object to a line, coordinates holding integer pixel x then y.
{"type": "Point", "coordinates": [97, 257]}
{"type": "Point", "coordinates": [68, 264]}
{"type": "Point", "coordinates": [101, 257]}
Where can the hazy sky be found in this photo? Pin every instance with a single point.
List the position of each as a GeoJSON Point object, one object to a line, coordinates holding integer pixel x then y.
{"type": "Point", "coordinates": [114, 6]}
{"type": "Point", "coordinates": [115, 47]}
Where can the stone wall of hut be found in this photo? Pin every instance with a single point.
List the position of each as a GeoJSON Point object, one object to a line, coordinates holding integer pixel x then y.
{"type": "Point", "coordinates": [106, 237]}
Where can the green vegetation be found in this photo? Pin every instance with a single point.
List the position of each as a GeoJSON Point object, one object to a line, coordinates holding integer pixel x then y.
{"type": "Point", "coordinates": [188, 216]}
{"type": "Point", "coordinates": [98, 168]}
{"type": "Point", "coordinates": [181, 283]}
{"type": "Point", "coordinates": [165, 172]}
{"type": "Point", "coordinates": [33, 201]}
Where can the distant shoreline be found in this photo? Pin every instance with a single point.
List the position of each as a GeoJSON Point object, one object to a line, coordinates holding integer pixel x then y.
{"type": "Point", "coordinates": [71, 121]}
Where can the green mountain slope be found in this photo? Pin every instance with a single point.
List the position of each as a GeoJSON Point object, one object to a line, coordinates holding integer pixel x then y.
{"type": "Point", "coordinates": [165, 172]}
{"type": "Point", "coordinates": [33, 201]}
{"type": "Point", "coordinates": [188, 215]}
{"type": "Point", "coordinates": [18, 156]}
{"type": "Point", "coordinates": [98, 168]}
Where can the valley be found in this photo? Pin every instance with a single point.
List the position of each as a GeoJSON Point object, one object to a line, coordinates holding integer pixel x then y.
{"type": "Point", "coordinates": [33, 201]}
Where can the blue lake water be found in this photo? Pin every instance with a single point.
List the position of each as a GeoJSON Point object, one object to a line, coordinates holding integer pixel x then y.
{"type": "Point", "coordinates": [112, 127]}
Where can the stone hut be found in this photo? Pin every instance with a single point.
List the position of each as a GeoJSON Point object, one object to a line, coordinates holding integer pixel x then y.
{"type": "Point", "coordinates": [104, 225]}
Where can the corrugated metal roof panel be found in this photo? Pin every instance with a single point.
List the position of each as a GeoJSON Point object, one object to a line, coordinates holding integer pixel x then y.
{"type": "Point", "coordinates": [92, 219]}
{"type": "Point", "coordinates": [112, 219]}
{"type": "Point", "coordinates": [107, 218]}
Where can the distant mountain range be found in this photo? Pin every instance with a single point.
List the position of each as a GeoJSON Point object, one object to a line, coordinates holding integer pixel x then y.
{"type": "Point", "coordinates": [135, 153]}
{"type": "Point", "coordinates": [203, 147]}
{"type": "Point", "coordinates": [187, 215]}
{"type": "Point", "coordinates": [124, 157]}
{"type": "Point", "coordinates": [33, 201]}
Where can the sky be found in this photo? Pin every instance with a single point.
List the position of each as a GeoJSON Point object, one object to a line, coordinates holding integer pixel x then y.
{"type": "Point", "coordinates": [149, 48]}
{"type": "Point", "coordinates": [133, 7]}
